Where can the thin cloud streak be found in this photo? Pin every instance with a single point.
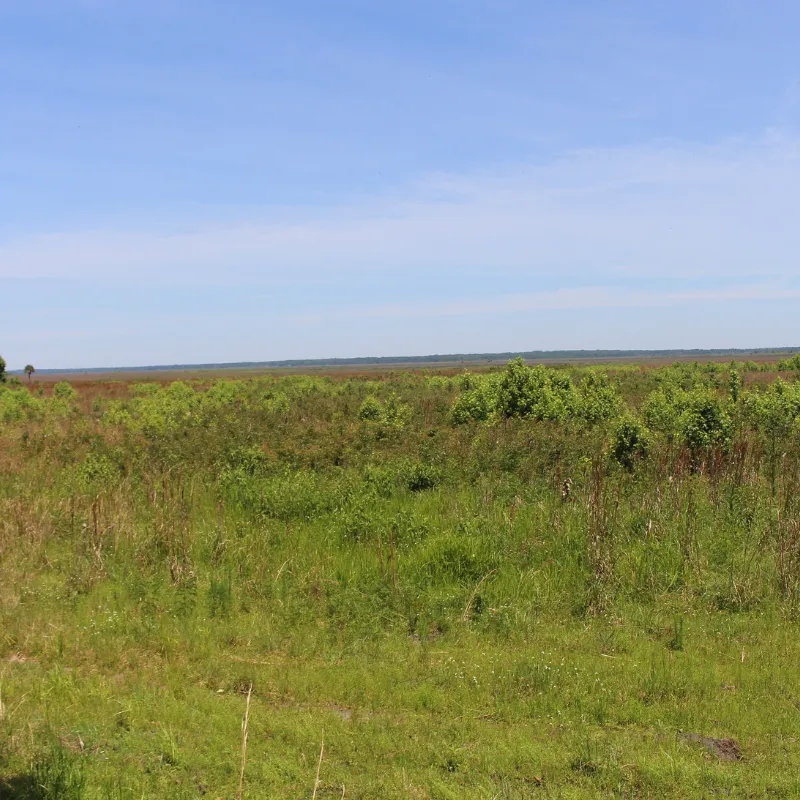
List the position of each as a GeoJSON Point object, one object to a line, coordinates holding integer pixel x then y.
{"type": "Point", "coordinates": [651, 212]}
{"type": "Point", "coordinates": [583, 298]}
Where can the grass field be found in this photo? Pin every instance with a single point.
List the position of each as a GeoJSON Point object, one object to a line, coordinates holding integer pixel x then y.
{"type": "Point", "coordinates": [574, 582]}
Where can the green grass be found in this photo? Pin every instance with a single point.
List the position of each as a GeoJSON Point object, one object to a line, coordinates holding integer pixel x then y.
{"type": "Point", "coordinates": [427, 599]}
{"type": "Point", "coordinates": [570, 708]}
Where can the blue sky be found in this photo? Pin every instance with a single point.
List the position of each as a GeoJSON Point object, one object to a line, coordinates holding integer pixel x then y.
{"type": "Point", "coordinates": [208, 181]}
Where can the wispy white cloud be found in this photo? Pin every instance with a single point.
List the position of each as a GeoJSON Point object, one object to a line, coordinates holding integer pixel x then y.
{"type": "Point", "coordinates": [594, 215]}
{"type": "Point", "coordinates": [583, 298]}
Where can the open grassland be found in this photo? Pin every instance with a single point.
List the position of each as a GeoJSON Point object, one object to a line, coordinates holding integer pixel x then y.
{"type": "Point", "coordinates": [757, 360]}
{"type": "Point", "coordinates": [529, 582]}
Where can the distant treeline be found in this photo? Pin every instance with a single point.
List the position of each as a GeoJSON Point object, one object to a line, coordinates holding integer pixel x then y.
{"type": "Point", "coordinates": [449, 358]}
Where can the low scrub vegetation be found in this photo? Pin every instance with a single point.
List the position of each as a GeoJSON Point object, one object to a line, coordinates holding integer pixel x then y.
{"type": "Point", "coordinates": [521, 582]}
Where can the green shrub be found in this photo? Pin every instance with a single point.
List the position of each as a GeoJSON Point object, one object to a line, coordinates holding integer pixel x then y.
{"type": "Point", "coordinates": [534, 392]}
{"type": "Point", "coordinates": [64, 391]}
{"type": "Point", "coordinates": [477, 403]}
{"type": "Point", "coordinates": [371, 409]}
{"type": "Point", "coordinates": [734, 384]}
{"type": "Point", "coordinates": [775, 410]}
{"type": "Point", "coordinates": [631, 442]}
{"type": "Point", "coordinates": [598, 400]}
{"type": "Point", "coordinates": [97, 472]}
{"type": "Point", "coordinates": [662, 410]}
{"type": "Point", "coordinates": [393, 413]}
{"type": "Point", "coordinates": [396, 414]}
{"type": "Point", "coordinates": [467, 381]}
{"type": "Point", "coordinates": [704, 422]}
{"type": "Point", "coordinates": [382, 480]}
{"type": "Point", "coordinates": [530, 392]}
{"type": "Point", "coordinates": [18, 404]}
{"type": "Point", "coordinates": [790, 364]}
{"type": "Point", "coordinates": [474, 404]}
{"type": "Point", "coordinates": [419, 476]}
{"type": "Point", "coordinates": [144, 389]}
{"type": "Point", "coordinates": [697, 417]}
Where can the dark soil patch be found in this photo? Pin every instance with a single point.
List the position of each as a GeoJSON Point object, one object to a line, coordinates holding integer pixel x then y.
{"type": "Point", "coordinates": [723, 749]}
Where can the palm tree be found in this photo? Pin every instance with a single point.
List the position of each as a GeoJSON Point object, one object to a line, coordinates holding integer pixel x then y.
{"type": "Point", "coordinates": [29, 370]}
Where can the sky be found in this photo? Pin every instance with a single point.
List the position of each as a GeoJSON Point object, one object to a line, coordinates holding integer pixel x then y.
{"type": "Point", "coordinates": [195, 182]}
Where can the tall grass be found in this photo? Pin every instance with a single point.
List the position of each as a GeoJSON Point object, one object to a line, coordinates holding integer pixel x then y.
{"type": "Point", "coordinates": [410, 547]}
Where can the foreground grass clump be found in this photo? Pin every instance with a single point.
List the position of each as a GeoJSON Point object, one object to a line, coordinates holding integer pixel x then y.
{"type": "Point", "coordinates": [510, 584]}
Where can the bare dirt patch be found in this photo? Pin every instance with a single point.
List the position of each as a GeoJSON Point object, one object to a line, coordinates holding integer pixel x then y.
{"type": "Point", "coordinates": [723, 749]}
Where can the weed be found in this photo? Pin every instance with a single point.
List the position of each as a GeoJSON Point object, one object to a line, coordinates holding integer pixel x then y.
{"type": "Point", "coordinates": [57, 773]}
{"type": "Point", "coordinates": [676, 635]}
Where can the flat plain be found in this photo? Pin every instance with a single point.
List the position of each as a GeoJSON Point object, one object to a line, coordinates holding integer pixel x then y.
{"type": "Point", "coordinates": [568, 581]}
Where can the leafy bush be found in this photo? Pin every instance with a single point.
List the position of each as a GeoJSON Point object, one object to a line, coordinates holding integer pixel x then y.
{"type": "Point", "coordinates": [704, 422]}
{"type": "Point", "coordinates": [477, 403]}
{"type": "Point", "coordinates": [536, 393]}
{"type": "Point", "coordinates": [393, 413]}
{"type": "Point", "coordinates": [18, 404]}
{"type": "Point", "coordinates": [734, 384]}
{"type": "Point", "coordinates": [64, 391]}
{"type": "Point", "coordinates": [249, 462]}
{"type": "Point", "coordinates": [698, 418]}
{"type": "Point", "coordinates": [662, 410]}
{"type": "Point", "coordinates": [419, 476]}
{"type": "Point", "coordinates": [790, 364]}
{"type": "Point", "coordinates": [97, 472]}
{"type": "Point", "coordinates": [467, 381]}
{"type": "Point", "coordinates": [382, 480]}
{"type": "Point", "coordinates": [533, 392]}
{"type": "Point", "coordinates": [598, 399]}
{"type": "Point", "coordinates": [144, 389]}
{"type": "Point", "coordinates": [440, 382]}
{"type": "Point", "coordinates": [631, 441]}
{"type": "Point", "coordinates": [776, 410]}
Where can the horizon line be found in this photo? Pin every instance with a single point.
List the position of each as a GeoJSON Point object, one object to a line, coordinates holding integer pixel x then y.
{"type": "Point", "coordinates": [435, 358]}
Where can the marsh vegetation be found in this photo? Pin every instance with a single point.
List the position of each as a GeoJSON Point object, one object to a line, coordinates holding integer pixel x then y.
{"type": "Point", "coordinates": [523, 582]}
